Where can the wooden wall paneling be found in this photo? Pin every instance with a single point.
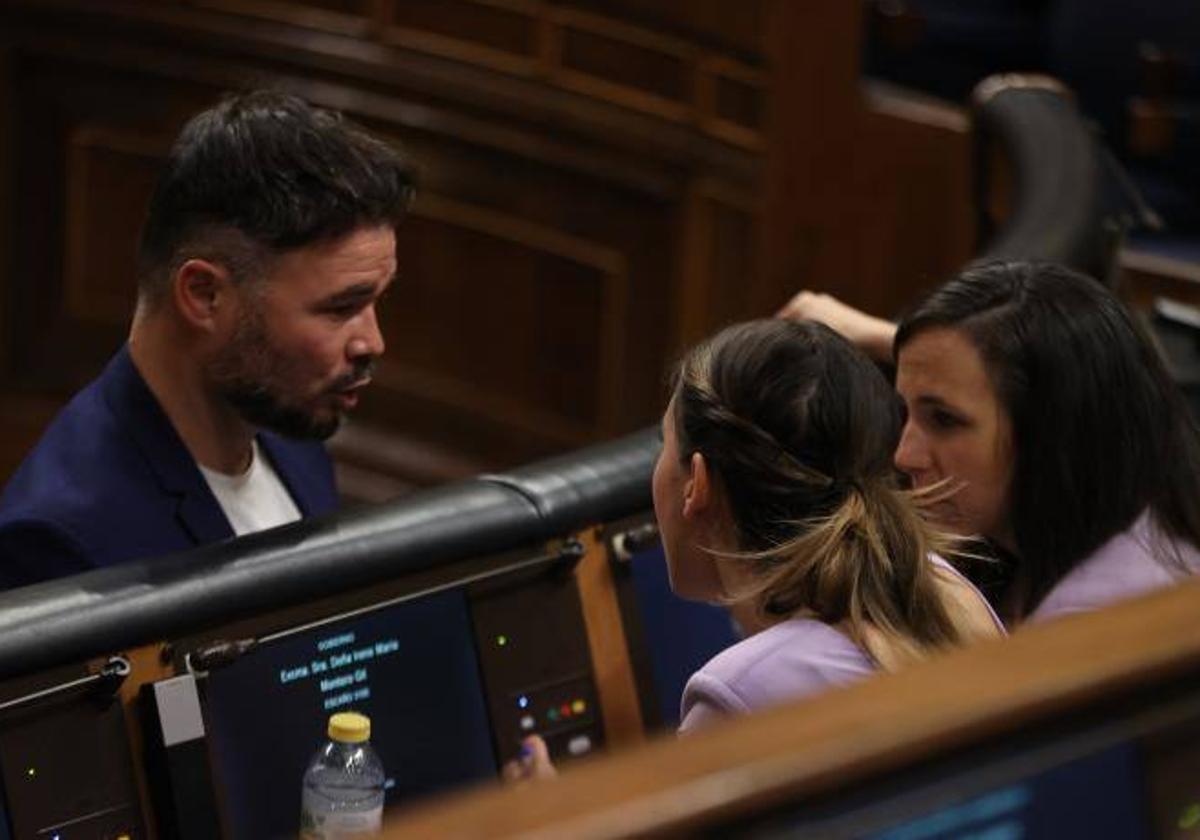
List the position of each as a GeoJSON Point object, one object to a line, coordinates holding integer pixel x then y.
{"type": "Point", "coordinates": [736, 260]}
{"type": "Point", "coordinates": [718, 263]}
{"type": "Point", "coordinates": [616, 340]}
{"type": "Point", "coordinates": [669, 77]}
{"type": "Point", "coordinates": [593, 54]}
{"type": "Point", "coordinates": [502, 34]}
{"type": "Point", "coordinates": [734, 27]}
{"type": "Point", "coordinates": [549, 44]}
{"type": "Point", "coordinates": [45, 343]}
{"type": "Point", "coordinates": [23, 416]}
{"type": "Point", "coordinates": [808, 214]}
{"type": "Point", "coordinates": [230, 50]}
{"type": "Point", "coordinates": [640, 225]}
{"type": "Point", "coordinates": [697, 276]}
{"type": "Point", "coordinates": [731, 101]}
{"type": "Point", "coordinates": [613, 671]}
{"type": "Point", "coordinates": [342, 17]}
{"type": "Point", "coordinates": [432, 133]}
{"type": "Point", "coordinates": [37, 192]}
{"type": "Point", "coordinates": [110, 176]}
{"type": "Point", "coordinates": [379, 18]}
{"type": "Point", "coordinates": [85, 167]}
{"type": "Point", "coordinates": [608, 346]}
{"type": "Point", "coordinates": [867, 190]}
{"type": "Point", "coordinates": [506, 319]}
{"type": "Point", "coordinates": [918, 154]}
{"type": "Point", "coordinates": [628, 65]}
{"type": "Point", "coordinates": [379, 462]}
{"type": "Point", "coordinates": [647, 231]}
{"type": "Point", "coordinates": [357, 76]}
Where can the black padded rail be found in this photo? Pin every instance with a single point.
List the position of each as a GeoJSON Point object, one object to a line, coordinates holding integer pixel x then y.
{"type": "Point", "coordinates": [99, 612]}
{"type": "Point", "coordinates": [599, 484]}
{"type": "Point", "coordinates": [1058, 211]}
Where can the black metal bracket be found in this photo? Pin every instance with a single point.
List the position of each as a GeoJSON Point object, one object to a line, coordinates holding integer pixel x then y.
{"type": "Point", "coordinates": [103, 685]}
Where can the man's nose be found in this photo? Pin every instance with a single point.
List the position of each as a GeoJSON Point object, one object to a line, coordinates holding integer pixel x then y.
{"type": "Point", "coordinates": [367, 340]}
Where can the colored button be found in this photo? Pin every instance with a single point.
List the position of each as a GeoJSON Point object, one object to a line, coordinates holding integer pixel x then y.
{"type": "Point", "coordinates": [564, 710]}
{"type": "Point", "coordinates": [578, 707]}
{"type": "Point", "coordinates": [527, 722]}
{"type": "Point", "coordinates": [579, 745]}
{"type": "Point", "coordinates": [552, 715]}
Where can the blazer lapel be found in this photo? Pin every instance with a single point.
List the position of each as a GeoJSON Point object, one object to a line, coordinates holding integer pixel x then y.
{"type": "Point", "coordinates": [131, 399]}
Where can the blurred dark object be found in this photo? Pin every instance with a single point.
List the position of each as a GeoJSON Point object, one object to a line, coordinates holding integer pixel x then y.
{"type": "Point", "coordinates": [1134, 68]}
{"type": "Point", "coordinates": [945, 47]}
{"type": "Point", "coordinates": [1046, 189]}
{"type": "Point", "coordinates": [1176, 326]}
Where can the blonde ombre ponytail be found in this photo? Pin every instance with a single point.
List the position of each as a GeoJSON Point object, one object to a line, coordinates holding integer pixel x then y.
{"type": "Point", "coordinates": [866, 567]}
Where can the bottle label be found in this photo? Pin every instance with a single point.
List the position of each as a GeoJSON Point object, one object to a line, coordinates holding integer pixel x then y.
{"type": "Point", "coordinates": [340, 825]}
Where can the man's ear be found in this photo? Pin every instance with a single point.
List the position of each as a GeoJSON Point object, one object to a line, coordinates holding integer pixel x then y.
{"type": "Point", "coordinates": [202, 291]}
{"type": "Point", "coordinates": [698, 491]}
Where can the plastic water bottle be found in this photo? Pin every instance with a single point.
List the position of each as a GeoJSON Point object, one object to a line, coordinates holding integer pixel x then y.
{"type": "Point", "coordinates": [343, 785]}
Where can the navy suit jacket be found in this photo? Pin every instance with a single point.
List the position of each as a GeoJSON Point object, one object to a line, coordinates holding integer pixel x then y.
{"type": "Point", "coordinates": [111, 481]}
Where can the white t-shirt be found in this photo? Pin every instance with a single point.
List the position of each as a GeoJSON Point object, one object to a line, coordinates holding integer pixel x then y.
{"type": "Point", "coordinates": [256, 499]}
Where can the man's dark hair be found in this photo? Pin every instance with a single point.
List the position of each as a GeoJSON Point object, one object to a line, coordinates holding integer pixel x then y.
{"type": "Point", "coordinates": [265, 172]}
{"type": "Point", "coordinates": [1101, 433]}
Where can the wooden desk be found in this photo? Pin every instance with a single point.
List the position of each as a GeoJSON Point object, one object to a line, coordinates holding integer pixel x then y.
{"type": "Point", "coordinates": [794, 754]}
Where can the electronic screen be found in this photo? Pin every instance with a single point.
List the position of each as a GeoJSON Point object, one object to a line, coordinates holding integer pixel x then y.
{"type": "Point", "coordinates": [679, 636]}
{"type": "Point", "coordinates": [412, 668]}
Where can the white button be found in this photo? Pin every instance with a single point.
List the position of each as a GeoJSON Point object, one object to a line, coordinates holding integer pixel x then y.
{"type": "Point", "coordinates": [527, 722]}
{"type": "Point", "coordinates": [579, 745]}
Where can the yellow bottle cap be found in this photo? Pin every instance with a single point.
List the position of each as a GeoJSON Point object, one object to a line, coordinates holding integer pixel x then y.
{"type": "Point", "coordinates": [349, 727]}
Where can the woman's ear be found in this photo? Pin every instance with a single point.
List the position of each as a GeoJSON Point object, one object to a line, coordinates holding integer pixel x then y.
{"type": "Point", "coordinates": [201, 289]}
{"type": "Point", "coordinates": [698, 491]}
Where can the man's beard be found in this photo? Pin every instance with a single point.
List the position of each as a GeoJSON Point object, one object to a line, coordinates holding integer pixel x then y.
{"type": "Point", "coordinates": [249, 373]}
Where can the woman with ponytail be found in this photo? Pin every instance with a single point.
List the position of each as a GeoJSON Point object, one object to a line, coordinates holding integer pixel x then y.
{"type": "Point", "coordinates": [775, 494]}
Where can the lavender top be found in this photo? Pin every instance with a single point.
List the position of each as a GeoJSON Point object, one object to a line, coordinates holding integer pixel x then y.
{"type": "Point", "coordinates": [795, 658]}
{"type": "Point", "coordinates": [1124, 567]}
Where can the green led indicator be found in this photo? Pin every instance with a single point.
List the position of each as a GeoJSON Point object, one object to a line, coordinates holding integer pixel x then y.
{"type": "Point", "coordinates": [502, 640]}
{"type": "Point", "coordinates": [1190, 818]}
{"type": "Point", "coordinates": [31, 772]}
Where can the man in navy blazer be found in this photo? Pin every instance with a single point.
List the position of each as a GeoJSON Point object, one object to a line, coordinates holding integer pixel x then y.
{"type": "Point", "coordinates": [268, 241]}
